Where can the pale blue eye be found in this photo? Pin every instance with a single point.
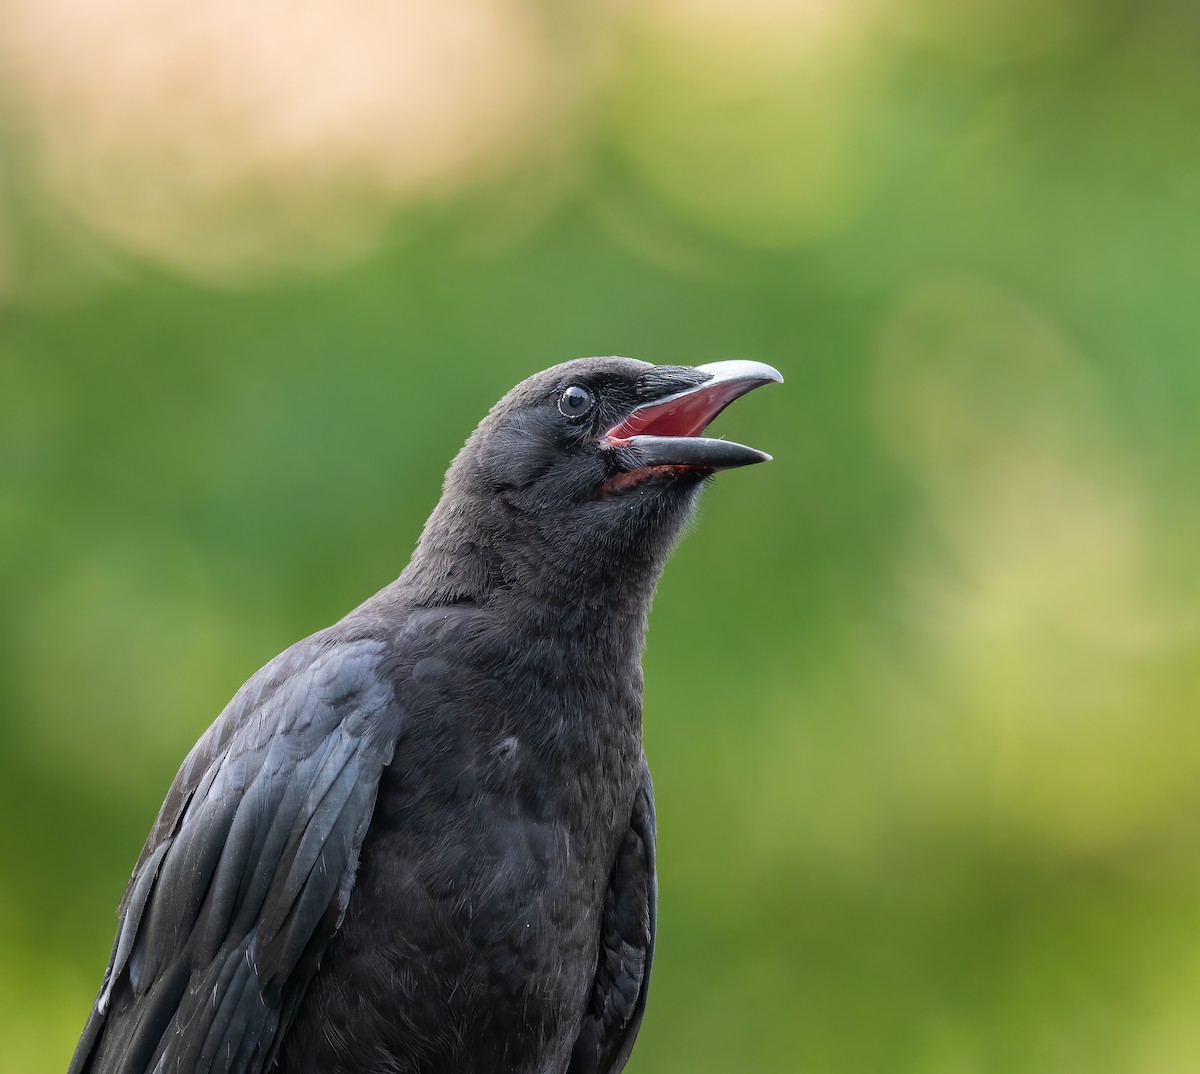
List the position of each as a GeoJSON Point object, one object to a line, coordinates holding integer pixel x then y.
{"type": "Point", "coordinates": [574, 402]}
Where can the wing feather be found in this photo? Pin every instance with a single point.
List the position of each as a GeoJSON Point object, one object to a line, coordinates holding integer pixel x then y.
{"type": "Point", "coordinates": [627, 928]}
{"type": "Point", "coordinates": [248, 869]}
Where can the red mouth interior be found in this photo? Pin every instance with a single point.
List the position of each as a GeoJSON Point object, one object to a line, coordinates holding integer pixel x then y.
{"type": "Point", "coordinates": [685, 415]}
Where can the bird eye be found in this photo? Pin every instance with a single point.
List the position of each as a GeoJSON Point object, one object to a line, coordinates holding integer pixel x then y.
{"type": "Point", "coordinates": [574, 402]}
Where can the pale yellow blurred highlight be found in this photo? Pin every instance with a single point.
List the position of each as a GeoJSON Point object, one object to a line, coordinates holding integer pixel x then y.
{"type": "Point", "coordinates": [1033, 590]}
{"type": "Point", "coordinates": [746, 116]}
{"type": "Point", "coordinates": [226, 136]}
{"type": "Point", "coordinates": [231, 140]}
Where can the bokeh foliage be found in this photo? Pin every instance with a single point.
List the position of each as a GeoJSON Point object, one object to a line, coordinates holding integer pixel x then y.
{"type": "Point", "coordinates": [922, 695]}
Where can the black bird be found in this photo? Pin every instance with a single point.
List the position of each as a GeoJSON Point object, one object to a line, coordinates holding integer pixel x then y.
{"type": "Point", "coordinates": [422, 840]}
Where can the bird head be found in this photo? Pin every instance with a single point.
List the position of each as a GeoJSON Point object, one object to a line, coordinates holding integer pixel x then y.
{"type": "Point", "coordinates": [589, 467]}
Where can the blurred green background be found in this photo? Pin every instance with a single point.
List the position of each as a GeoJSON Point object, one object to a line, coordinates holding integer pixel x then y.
{"type": "Point", "coordinates": [922, 695]}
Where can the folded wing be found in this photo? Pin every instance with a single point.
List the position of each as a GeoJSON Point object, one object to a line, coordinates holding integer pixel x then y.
{"type": "Point", "coordinates": [247, 872]}
{"type": "Point", "coordinates": [618, 997]}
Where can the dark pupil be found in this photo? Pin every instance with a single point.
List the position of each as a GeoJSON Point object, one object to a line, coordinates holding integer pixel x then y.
{"type": "Point", "coordinates": [576, 398]}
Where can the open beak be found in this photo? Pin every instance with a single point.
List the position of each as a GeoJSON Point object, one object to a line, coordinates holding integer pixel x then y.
{"type": "Point", "coordinates": [665, 432]}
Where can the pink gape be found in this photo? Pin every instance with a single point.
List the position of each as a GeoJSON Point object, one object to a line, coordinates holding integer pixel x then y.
{"type": "Point", "coordinates": [690, 412]}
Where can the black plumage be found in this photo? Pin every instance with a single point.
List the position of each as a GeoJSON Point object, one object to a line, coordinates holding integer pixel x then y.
{"type": "Point", "coordinates": [422, 840]}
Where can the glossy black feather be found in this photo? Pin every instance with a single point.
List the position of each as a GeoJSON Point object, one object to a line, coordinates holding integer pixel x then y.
{"type": "Point", "coordinates": [249, 867]}
{"type": "Point", "coordinates": [627, 930]}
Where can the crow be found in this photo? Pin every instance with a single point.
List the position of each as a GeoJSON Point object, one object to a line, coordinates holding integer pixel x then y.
{"type": "Point", "coordinates": [422, 839]}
